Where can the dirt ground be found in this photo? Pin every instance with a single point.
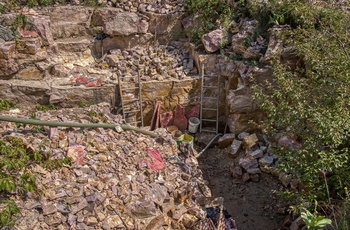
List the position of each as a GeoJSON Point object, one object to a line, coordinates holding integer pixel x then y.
{"type": "Point", "coordinates": [253, 205]}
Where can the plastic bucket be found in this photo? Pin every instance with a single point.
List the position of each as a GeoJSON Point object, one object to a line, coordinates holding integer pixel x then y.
{"type": "Point", "coordinates": [171, 128]}
{"type": "Point", "coordinates": [177, 136]}
{"type": "Point", "coordinates": [187, 138]}
{"type": "Point", "coordinates": [193, 124]}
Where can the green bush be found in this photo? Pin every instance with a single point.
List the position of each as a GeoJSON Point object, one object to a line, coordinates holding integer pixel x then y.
{"type": "Point", "coordinates": [16, 157]}
{"type": "Point", "coordinates": [6, 105]}
{"type": "Point", "coordinates": [312, 102]}
{"type": "Point", "coordinates": [212, 13]}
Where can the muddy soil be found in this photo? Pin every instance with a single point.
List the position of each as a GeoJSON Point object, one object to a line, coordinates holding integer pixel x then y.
{"type": "Point", "coordinates": [253, 205]}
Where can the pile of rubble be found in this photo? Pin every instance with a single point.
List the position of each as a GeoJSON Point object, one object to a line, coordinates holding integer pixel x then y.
{"type": "Point", "coordinates": [253, 157]}
{"type": "Point", "coordinates": [118, 180]}
{"type": "Point", "coordinates": [160, 7]}
{"type": "Point", "coordinates": [152, 63]}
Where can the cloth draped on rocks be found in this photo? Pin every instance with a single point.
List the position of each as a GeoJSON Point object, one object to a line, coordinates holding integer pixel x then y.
{"type": "Point", "coordinates": [157, 161]}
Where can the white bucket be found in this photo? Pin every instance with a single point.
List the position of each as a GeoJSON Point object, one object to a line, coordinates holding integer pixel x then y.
{"type": "Point", "coordinates": [193, 124]}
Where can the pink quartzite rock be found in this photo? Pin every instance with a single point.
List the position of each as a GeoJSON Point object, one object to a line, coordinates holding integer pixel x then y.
{"type": "Point", "coordinates": [193, 112]}
{"type": "Point", "coordinates": [180, 121]}
{"type": "Point", "coordinates": [166, 119]}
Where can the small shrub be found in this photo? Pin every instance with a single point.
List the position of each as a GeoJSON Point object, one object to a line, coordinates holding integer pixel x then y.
{"type": "Point", "coordinates": [6, 105]}
{"type": "Point", "coordinates": [8, 213]}
{"type": "Point", "coordinates": [313, 221]}
{"type": "Point", "coordinates": [15, 159]}
{"type": "Point", "coordinates": [312, 102]}
{"type": "Point", "coordinates": [211, 13]}
{"type": "Point", "coordinates": [46, 107]}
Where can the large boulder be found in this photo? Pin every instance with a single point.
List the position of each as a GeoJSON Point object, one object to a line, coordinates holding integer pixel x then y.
{"type": "Point", "coordinates": [42, 25]}
{"type": "Point", "coordinates": [6, 49]}
{"type": "Point", "coordinates": [8, 67]}
{"type": "Point", "coordinates": [214, 40]}
{"type": "Point", "coordinates": [68, 21]}
{"type": "Point", "coordinates": [125, 24]}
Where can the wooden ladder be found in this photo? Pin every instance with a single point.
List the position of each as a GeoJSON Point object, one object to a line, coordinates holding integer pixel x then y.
{"type": "Point", "coordinates": [205, 90]}
{"type": "Point", "coordinates": [131, 98]}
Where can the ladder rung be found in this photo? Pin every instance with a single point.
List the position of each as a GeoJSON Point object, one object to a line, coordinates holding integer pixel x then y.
{"type": "Point", "coordinates": [211, 109]}
{"type": "Point", "coordinates": [128, 88]}
{"type": "Point", "coordinates": [133, 122]}
{"type": "Point", "coordinates": [127, 77]}
{"type": "Point", "coordinates": [209, 120]}
{"type": "Point", "coordinates": [208, 130]}
{"type": "Point", "coordinates": [136, 99]}
{"type": "Point", "coordinates": [132, 111]}
{"type": "Point", "coordinates": [210, 98]}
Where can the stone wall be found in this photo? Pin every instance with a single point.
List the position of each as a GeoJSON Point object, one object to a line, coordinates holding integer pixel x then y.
{"type": "Point", "coordinates": [62, 46]}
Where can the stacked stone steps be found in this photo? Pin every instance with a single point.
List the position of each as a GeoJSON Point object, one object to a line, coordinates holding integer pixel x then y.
{"type": "Point", "coordinates": [74, 44]}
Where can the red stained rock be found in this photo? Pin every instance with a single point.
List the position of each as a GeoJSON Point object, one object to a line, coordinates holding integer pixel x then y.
{"type": "Point", "coordinates": [180, 119]}
{"type": "Point", "coordinates": [193, 112]}
{"type": "Point", "coordinates": [166, 119]}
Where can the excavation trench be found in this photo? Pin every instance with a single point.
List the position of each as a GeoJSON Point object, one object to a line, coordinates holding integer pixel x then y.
{"type": "Point", "coordinates": [251, 202]}
{"type": "Point", "coordinates": [253, 205]}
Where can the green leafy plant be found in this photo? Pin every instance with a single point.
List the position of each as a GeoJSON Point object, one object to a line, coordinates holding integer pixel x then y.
{"type": "Point", "coordinates": [92, 113]}
{"type": "Point", "coordinates": [16, 157]}
{"type": "Point", "coordinates": [342, 216]}
{"type": "Point", "coordinates": [314, 222]}
{"type": "Point", "coordinates": [6, 105]}
{"type": "Point", "coordinates": [308, 100]}
{"type": "Point", "coordinates": [93, 3]}
{"type": "Point", "coordinates": [46, 107]}
{"type": "Point", "coordinates": [8, 212]}
{"type": "Point", "coordinates": [83, 104]}
{"type": "Point", "coordinates": [211, 13]}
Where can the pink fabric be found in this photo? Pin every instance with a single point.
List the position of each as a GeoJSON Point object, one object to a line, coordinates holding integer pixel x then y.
{"type": "Point", "coordinates": [82, 79]}
{"type": "Point", "coordinates": [157, 161]}
{"type": "Point", "coordinates": [95, 83]}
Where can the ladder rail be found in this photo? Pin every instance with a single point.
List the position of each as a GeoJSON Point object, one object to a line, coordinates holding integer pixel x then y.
{"type": "Point", "coordinates": [217, 105]}
{"type": "Point", "coordinates": [201, 107]}
{"type": "Point", "coordinates": [121, 93]}
{"type": "Point", "coordinates": [205, 108]}
{"type": "Point", "coordinates": [140, 96]}
{"type": "Point", "coordinates": [124, 101]}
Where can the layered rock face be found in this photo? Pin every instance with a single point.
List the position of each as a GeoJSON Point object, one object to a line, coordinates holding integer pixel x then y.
{"type": "Point", "coordinates": [71, 55]}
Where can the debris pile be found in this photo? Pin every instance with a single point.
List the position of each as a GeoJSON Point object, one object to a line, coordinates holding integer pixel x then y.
{"type": "Point", "coordinates": [254, 157]}
{"type": "Point", "coordinates": [117, 180]}
{"type": "Point", "coordinates": [160, 7]}
{"type": "Point", "coordinates": [152, 63]}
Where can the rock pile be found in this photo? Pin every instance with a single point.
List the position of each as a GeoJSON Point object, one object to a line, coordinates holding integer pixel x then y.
{"type": "Point", "coordinates": [253, 157]}
{"type": "Point", "coordinates": [152, 63]}
{"type": "Point", "coordinates": [160, 7]}
{"type": "Point", "coordinates": [117, 180]}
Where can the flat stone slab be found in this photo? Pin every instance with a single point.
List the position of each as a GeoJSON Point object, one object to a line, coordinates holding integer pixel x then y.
{"type": "Point", "coordinates": [31, 93]}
